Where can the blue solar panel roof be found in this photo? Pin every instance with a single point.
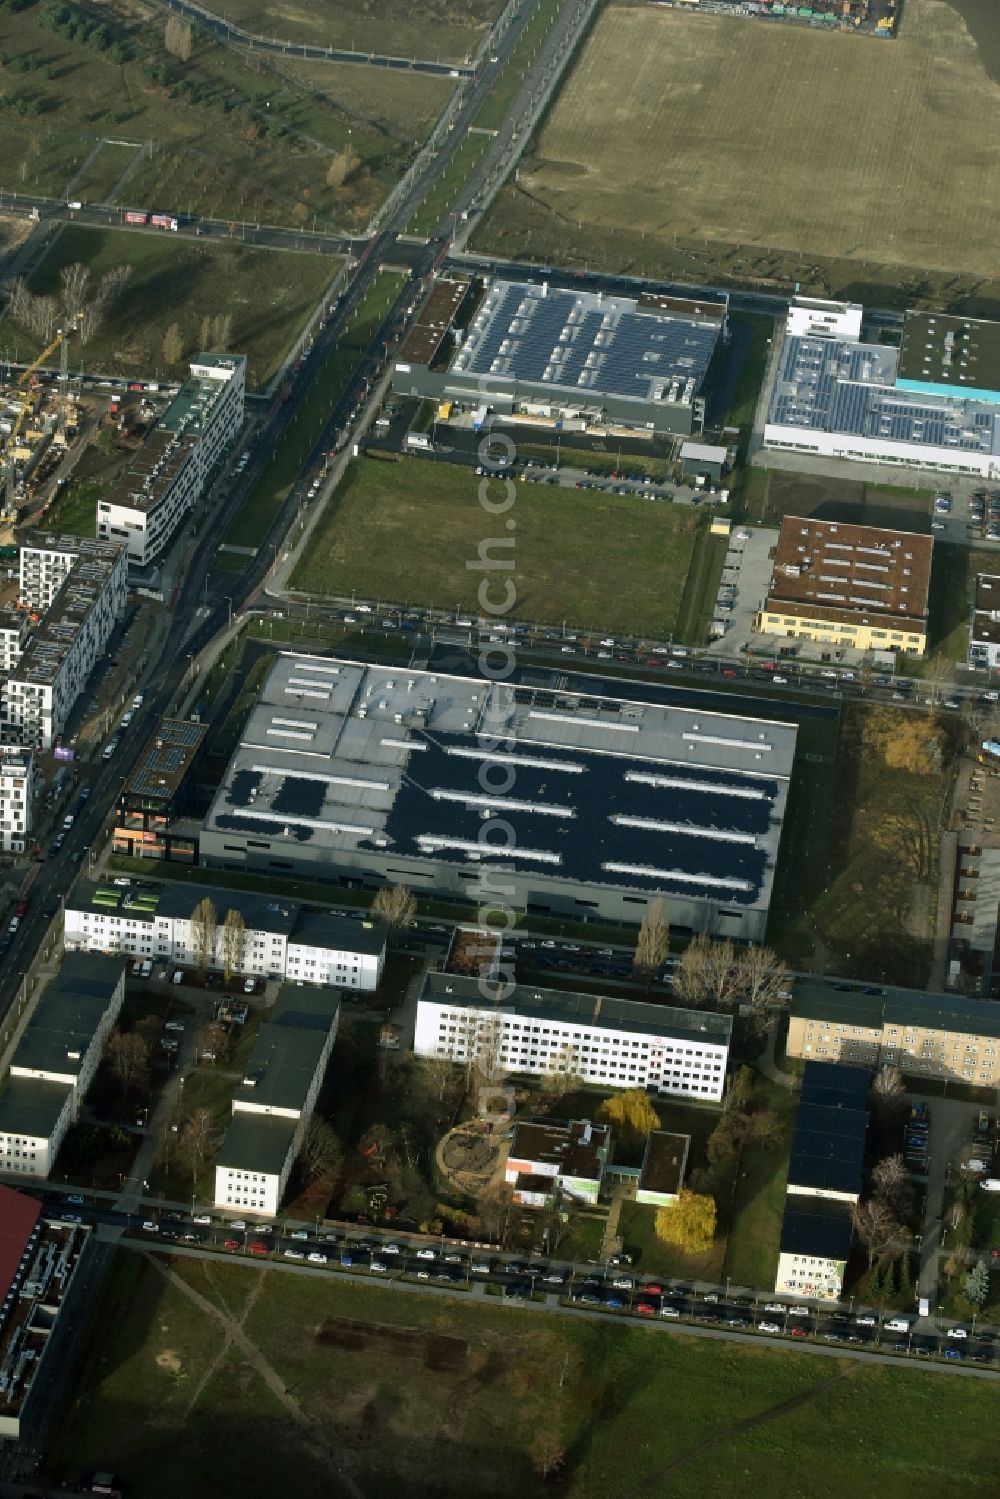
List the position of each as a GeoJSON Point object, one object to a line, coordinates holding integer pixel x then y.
{"type": "Point", "coordinates": [575, 340]}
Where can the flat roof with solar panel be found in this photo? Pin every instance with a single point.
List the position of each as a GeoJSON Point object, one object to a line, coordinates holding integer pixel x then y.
{"type": "Point", "coordinates": [160, 771]}
{"type": "Point", "coordinates": [343, 765]}
{"type": "Point", "coordinates": [585, 344]}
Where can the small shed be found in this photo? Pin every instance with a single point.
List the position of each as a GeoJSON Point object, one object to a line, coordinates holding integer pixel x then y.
{"type": "Point", "coordinates": [702, 459]}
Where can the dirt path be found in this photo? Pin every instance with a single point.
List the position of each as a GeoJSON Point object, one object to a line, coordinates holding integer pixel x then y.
{"type": "Point", "coordinates": [727, 1433]}
{"type": "Point", "coordinates": [234, 1334]}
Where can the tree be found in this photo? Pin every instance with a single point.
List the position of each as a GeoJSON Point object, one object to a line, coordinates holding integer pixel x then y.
{"type": "Point", "coordinates": [653, 942]}
{"type": "Point", "coordinates": [211, 1040]}
{"type": "Point", "coordinates": [879, 1230]}
{"type": "Point", "coordinates": [73, 281]}
{"type": "Point", "coordinates": [707, 973]}
{"type": "Point", "coordinates": [726, 1140]}
{"type": "Point", "coordinates": [204, 923]}
{"type": "Point", "coordinates": [493, 1209]}
{"type": "Point", "coordinates": [177, 38]}
{"type": "Point", "coordinates": [396, 905]}
{"type": "Point", "coordinates": [741, 1089]}
{"type": "Point", "coordinates": [321, 1155]}
{"type": "Point", "coordinates": [205, 340]}
{"type": "Point", "coordinates": [763, 983]}
{"type": "Point", "coordinates": [173, 345]}
{"type": "Point", "coordinates": [234, 943]}
{"type": "Point", "coordinates": [128, 1059]}
{"type": "Point", "coordinates": [341, 168]}
{"type": "Point", "coordinates": [547, 1452]}
{"type": "Point", "coordinates": [222, 330]}
{"type": "Point", "coordinates": [892, 1183]}
{"type": "Point", "coordinates": [630, 1114]}
{"type": "Point", "coordinates": [439, 1073]}
{"type": "Point", "coordinates": [888, 1091]}
{"type": "Point", "coordinates": [765, 1128]}
{"type": "Point", "coordinates": [563, 1073]}
{"type": "Point", "coordinates": [197, 1139]}
{"type": "Point", "coordinates": [689, 1222]}
{"type": "Point", "coordinates": [977, 1283]}
{"type": "Point", "coordinates": [487, 1050]}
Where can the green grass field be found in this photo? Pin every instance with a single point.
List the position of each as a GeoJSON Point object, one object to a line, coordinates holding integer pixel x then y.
{"type": "Point", "coordinates": [503, 93]}
{"type": "Point", "coordinates": [75, 512]}
{"type": "Point", "coordinates": [267, 496]}
{"type": "Point", "coordinates": [456, 1394]}
{"type": "Point", "coordinates": [405, 532]}
{"type": "Point", "coordinates": [268, 296]}
{"type": "Point", "coordinates": [447, 187]}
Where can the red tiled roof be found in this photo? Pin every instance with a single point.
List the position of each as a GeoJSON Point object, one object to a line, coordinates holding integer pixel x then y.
{"type": "Point", "coordinates": [18, 1216]}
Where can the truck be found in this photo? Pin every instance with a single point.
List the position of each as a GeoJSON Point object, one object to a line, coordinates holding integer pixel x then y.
{"type": "Point", "coordinates": [62, 784]}
{"type": "Point", "coordinates": [479, 418]}
{"type": "Point", "coordinates": [164, 221]}
{"type": "Point", "coordinates": [136, 216]}
{"type": "Point", "coordinates": [419, 440]}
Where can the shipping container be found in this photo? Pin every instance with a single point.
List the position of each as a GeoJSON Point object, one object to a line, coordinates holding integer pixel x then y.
{"type": "Point", "coordinates": [134, 216]}
{"type": "Point", "coordinates": [164, 221]}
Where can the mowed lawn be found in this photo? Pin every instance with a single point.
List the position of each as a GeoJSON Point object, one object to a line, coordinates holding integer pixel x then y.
{"type": "Point", "coordinates": [709, 130]}
{"type": "Point", "coordinates": [405, 532]}
{"type": "Point", "coordinates": [454, 1394]}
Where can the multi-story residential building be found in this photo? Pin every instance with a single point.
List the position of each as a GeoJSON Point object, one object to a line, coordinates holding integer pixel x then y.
{"type": "Point", "coordinates": [150, 821]}
{"type": "Point", "coordinates": [273, 1105]}
{"type": "Point", "coordinates": [824, 1179]}
{"type": "Point", "coordinates": [55, 1061]}
{"type": "Point", "coordinates": [618, 1043]}
{"type": "Point", "coordinates": [74, 592]}
{"type": "Point", "coordinates": [17, 788]}
{"type": "Point", "coordinates": [943, 1036]}
{"type": "Point", "coordinates": [548, 1157]}
{"type": "Point", "coordinates": [846, 585]}
{"type": "Point", "coordinates": [279, 939]}
{"type": "Point", "coordinates": [168, 475]}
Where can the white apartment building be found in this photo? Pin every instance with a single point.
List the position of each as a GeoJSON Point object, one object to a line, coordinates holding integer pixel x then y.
{"type": "Point", "coordinates": [275, 1101]}
{"type": "Point", "coordinates": [168, 475]}
{"type": "Point", "coordinates": [74, 591]}
{"type": "Point", "coordinates": [17, 785]}
{"type": "Point", "coordinates": [55, 1061]}
{"type": "Point", "coordinates": [280, 940]}
{"type": "Point", "coordinates": [615, 1043]}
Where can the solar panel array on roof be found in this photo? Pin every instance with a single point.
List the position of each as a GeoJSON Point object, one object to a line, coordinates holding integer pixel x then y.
{"type": "Point", "coordinates": [582, 342]}
{"type": "Point", "coordinates": [829, 386]}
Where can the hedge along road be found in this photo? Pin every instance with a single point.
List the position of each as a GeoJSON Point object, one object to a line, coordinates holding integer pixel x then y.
{"type": "Point", "coordinates": [554, 1306]}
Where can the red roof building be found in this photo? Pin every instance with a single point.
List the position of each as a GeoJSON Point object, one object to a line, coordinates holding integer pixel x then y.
{"type": "Point", "coordinates": [18, 1217]}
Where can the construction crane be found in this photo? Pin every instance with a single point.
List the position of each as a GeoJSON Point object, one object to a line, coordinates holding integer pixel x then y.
{"type": "Point", "coordinates": [8, 475]}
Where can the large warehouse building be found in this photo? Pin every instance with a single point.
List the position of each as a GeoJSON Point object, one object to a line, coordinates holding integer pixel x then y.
{"type": "Point", "coordinates": [932, 404]}
{"type": "Point", "coordinates": [556, 801]}
{"type": "Point", "coordinates": [848, 585]}
{"type": "Point", "coordinates": [555, 354]}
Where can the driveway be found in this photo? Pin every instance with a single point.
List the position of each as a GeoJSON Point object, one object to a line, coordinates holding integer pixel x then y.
{"type": "Point", "coordinates": [747, 570]}
{"type": "Point", "coordinates": [952, 1122]}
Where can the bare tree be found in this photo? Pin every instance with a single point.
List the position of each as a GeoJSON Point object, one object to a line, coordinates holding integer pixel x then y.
{"type": "Point", "coordinates": [937, 674]}
{"type": "Point", "coordinates": [396, 905]}
{"type": "Point", "coordinates": [563, 1073]}
{"type": "Point", "coordinates": [73, 282]}
{"type": "Point", "coordinates": [488, 1049]}
{"type": "Point", "coordinates": [211, 1041]}
{"type": "Point", "coordinates": [128, 1059]}
{"type": "Point", "coordinates": [888, 1091]}
{"type": "Point", "coordinates": [321, 1155]}
{"type": "Point", "coordinates": [18, 299]}
{"type": "Point", "coordinates": [653, 942]}
{"type": "Point", "coordinates": [879, 1230]}
{"type": "Point", "coordinates": [197, 1140]}
{"type": "Point", "coordinates": [177, 38]}
{"type": "Point", "coordinates": [173, 345]}
{"type": "Point", "coordinates": [892, 1184]}
{"type": "Point", "coordinates": [493, 1208]}
{"type": "Point", "coordinates": [234, 943]}
{"type": "Point", "coordinates": [204, 924]}
{"type": "Point", "coordinates": [707, 973]}
{"type": "Point", "coordinates": [763, 982]}
{"type": "Point", "coordinates": [439, 1073]}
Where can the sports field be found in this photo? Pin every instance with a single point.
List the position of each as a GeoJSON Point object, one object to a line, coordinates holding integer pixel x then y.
{"type": "Point", "coordinates": [281, 1383]}
{"type": "Point", "coordinates": [405, 531]}
{"type": "Point", "coordinates": [700, 133]}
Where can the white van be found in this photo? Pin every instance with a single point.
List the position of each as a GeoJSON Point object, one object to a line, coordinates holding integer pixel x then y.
{"type": "Point", "coordinates": [897, 1324]}
{"type": "Point", "coordinates": [991, 1184]}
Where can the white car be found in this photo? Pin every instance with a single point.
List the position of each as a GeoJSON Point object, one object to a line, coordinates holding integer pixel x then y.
{"type": "Point", "coordinates": [202, 1218]}
{"type": "Point", "coordinates": [363, 608]}
{"type": "Point", "coordinates": [775, 1306]}
{"type": "Point", "coordinates": [957, 1332]}
{"type": "Point", "coordinates": [318, 1259]}
{"type": "Point", "coordinates": [391, 1249]}
{"type": "Point", "coordinates": [238, 1223]}
{"type": "Point", "coordinates": [768, 1327]}
{"type": "Point", "coordinates": [149, 1227]}
{"type": "Point", "coordinates": [426, 1254]}
{"type": "Point", "coordinates": [622, 1283]}
{"type": "Point", "coordinates": [897, 1324]}
{"type": "Point", "coordinates": [669, 1311]}
{"type": "Point", "coordinates": [294, 1254]}
{"type": "Point", "coordinates": [379, 1267]}
{"type": "Point", "coordinates": [865, 1321]}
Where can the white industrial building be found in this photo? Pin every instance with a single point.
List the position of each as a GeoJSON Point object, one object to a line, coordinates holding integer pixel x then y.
{"type": "Point", "coordinates": [275, 1101]}
{"type": "Point", "coordinates": [17, 786]}
{"type": "Point", "coordinates": [72, 594]}
{"type": "Point", "coordinates": [933, 403]}
{"type": "Point", "coordinates": [55, 1061]}
{"type": "Point", "coordinates": [280, 940]}
{"type": "Point", "coordinates": [168, 475]}
{"type": "Point", "coordinates": [372, 775]}
{"type": "Point", "coordinates": [615, 1043]}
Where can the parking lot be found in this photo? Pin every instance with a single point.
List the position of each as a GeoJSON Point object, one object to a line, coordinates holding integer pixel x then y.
{"type": "Point", "coordinates": [746, 576]}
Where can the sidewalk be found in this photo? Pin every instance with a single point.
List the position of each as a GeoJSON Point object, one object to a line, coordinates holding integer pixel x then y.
{"type": "Point", "coordinates": [766, 1064]}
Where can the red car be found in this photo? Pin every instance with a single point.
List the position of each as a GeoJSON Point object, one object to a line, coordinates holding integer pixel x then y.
{"type": "Point", "coordinates": [727, 671]}
{"type": "Point", "coordinates": [652, 1289]}
{"type": "Point", "coordinates": [798, 1332]}
{"type": "Point", "coordinates": [256, 1247]}
{"type": "Point", "coordinates": [231, 1244]}
{"type": "Point", "coordinates": [21, 909]}
{"type": "Point", "coordinates": [645, 1309]}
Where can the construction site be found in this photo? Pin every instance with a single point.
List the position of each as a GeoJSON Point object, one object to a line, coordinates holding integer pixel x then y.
{"type": "Point", "coordinates": [39, 422]}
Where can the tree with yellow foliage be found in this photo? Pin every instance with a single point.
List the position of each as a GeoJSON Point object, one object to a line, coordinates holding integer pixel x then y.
{"type": "Point", "coordinates": [689, 1222]}
{"type": "Point", "coordinates": [630, 1114]}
